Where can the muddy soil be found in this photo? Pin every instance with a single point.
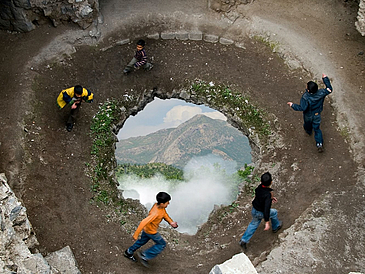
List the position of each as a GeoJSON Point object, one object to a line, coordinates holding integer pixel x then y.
{"type": "Point", "coordinates": [45, 164]}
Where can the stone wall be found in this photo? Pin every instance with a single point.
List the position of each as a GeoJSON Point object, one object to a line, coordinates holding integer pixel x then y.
{"type": "Point", "coordinates": [25, 15]}
{"type": "Point", "coordinates": [229, 9]}
{"type": "Point", "coordinates": [17, 239]}
{"type": "Point", "coordinates": [226, 5]}
{"type": "Point", "coordinates": [360, 24]}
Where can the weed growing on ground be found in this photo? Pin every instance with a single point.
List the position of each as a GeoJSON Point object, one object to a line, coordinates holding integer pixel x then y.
{"type": "Point", "coordinates": [233, 206]}
{"type": "Point", "coordinates": [232, 103]}
{"type": "Point", "coordinates": [103, 187]}
{"type": "Point", "coordinates": [250, 181]}
{"type": "Point", "coordinates": [101, 127]}
{"type": "Point", "coordinates": [345, 132]}
{"type": "Point", "coordinates": [272, 45]}
{"type": "Point", "coordinates": [103, 139]}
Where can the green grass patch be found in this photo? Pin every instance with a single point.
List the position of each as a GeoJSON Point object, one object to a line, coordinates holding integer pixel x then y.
{"type": "Point", "coordinates": [235, 104]}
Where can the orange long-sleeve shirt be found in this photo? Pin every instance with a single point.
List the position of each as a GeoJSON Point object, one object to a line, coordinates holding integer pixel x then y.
{"type": "Point", "coordinates": [151, 223]}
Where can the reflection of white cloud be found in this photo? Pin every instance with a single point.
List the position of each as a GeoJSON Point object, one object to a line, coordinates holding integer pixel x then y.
{"type": "Point", "coordinates": [180, 114]}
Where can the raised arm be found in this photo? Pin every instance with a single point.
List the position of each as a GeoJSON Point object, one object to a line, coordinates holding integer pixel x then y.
{"type": "Point", "coordinates": [327, 82]}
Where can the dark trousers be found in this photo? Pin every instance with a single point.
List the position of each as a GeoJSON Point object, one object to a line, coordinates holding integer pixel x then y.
{"type": "Point", "coordinates": [73, 114]}
{"type": "Point", "coordinates": [312, 123]}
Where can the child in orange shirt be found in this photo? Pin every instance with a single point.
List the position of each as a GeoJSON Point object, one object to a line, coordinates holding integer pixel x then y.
{"type": "Point", "coordinates": [150, 226]}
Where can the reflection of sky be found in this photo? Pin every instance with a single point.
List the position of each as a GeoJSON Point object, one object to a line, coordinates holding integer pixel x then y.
{"type": "Point", "coordinates": [161, 114]}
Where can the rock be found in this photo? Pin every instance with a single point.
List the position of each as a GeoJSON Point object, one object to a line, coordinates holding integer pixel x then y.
{"type": "Point", "coordinates": [182, 35]}
{"type": "Point", "coordinates": [123, 42]}
{"type": "Point", "coordinates": [168, 35]}
{"type": "Point", "coordinates": [63, 261]}
{"type": "Point", "coordinates": [196, 36]}
{"type": "Point", "coordinates": [211, 38]}
{"type": "Point", "coordinates": [20, 15]}
{"type": "Point", "coordinates": [238, 264]}
{"type": "Point", "coordinates": [154, 36]}
{"type": "Point", "coordinates": [360, 24]}
{"type": "Point", "coordinates": [225, 41]}
{"type": "Point", "coordinates": [17, 238]}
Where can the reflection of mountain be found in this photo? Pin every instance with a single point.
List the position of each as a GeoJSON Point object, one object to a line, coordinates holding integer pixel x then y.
{"type": "Point", "coordinates": [199, 136]}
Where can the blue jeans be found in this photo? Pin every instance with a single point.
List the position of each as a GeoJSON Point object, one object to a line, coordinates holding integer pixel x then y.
{"type": "Point", "coordinates": [154, 250]}
{"type": "Point", "coordinates": [313, 123]}
{"type": "Point", "coordinates": [257, 216]}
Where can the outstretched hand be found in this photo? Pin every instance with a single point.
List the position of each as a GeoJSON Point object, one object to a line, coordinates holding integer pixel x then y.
{"type": "Point", "coordinates": [174, 224]}
{"type": "Point", "coordinates": [289, 103]}
{"type": "Point", "coordinates": [324, 75]}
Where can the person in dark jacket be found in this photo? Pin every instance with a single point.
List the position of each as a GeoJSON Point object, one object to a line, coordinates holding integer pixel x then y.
{"type": "Point", "coordinates": [311, 104]}
{"type": "Point", "coordinates": [261, 209]}
{"type": "Point", "coordinates": [139, 60]}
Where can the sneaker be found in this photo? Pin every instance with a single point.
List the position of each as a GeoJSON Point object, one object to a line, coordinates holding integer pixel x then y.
{"type": "Point", "coordinates": [149, 68]}
{"type": "Point", "coordinates": [69, 127]}
{"type": "Point", "coordinates": [129, 256]}
{"type": "Point", "coordinates": [279, 227]}
{"type": "Point", "coordinates": [243, 245]}
{"type": "Point", "coordinates": [320, 148]}
{"type": "Point", "coordinates": [125, 71]}
{"type": "Point", "coordinates": [143, 260]}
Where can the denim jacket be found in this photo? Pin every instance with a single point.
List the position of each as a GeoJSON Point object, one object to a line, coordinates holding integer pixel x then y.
{"type": "Point", "coordinates": [312, 104]}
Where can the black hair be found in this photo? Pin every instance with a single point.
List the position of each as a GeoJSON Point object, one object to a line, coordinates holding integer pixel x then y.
{"type": "Point", "coordinates": [162, 197]}
{"type": "Point", "coordinates": [78, 89]}
{"type": "Point", "coordinates": [141, 43]}
{"type": "Point", "coordinates": [266, 179]}
{"type": "Point", "coordinates": [312, 87]}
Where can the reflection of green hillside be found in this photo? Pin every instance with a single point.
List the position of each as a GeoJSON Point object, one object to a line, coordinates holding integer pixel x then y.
{"type": "Point", "coordinates": [199, 136]}
{"type": "Point", "coordinates": [150, 170]}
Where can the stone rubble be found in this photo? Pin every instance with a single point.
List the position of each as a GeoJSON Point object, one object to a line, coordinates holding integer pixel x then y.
{"type": "Point", "coordinates": [25, 15]}
{"type": "Point", "coordinates": [360, 24]}
{"type": "Point", "coordinates": [238, 264]}
{"type": "Point", "coordinates": [17, 239]}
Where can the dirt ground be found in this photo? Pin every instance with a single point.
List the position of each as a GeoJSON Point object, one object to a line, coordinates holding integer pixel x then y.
{"type": "Point", "coordinates": [45, 164]}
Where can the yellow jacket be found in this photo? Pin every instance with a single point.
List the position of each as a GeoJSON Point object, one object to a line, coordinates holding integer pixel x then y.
{"type": "Point", "coordinates": [151, 223]}
{"type": "Point", "coordinates": [67, 97]}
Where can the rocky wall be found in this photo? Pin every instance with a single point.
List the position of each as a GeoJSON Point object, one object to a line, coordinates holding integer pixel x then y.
{"type": "Point", "coordinates": [229, 9]}
{"type": "Point", "coordinates": [360, 24]}
{"type": "Point", "coordinates": [17, 239]}
{"type": "Point", "coordinates": [25, 15]}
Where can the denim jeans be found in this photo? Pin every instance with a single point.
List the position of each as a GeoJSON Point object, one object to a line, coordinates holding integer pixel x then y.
{"type": "Point", "coordinates": [257, 216]}
{"type": "Point", "coordinates": [130, 65]}
{"type": "Point", "coordinates": [313, 123]}
{"type": "Point", "coordinates": [154, 250]}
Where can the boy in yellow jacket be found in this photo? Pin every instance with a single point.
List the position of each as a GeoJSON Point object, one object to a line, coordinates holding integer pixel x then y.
{"type": "Point", "coordinates": [73, 97]}
{"type": "Point", "coordinates": [150, 226]}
